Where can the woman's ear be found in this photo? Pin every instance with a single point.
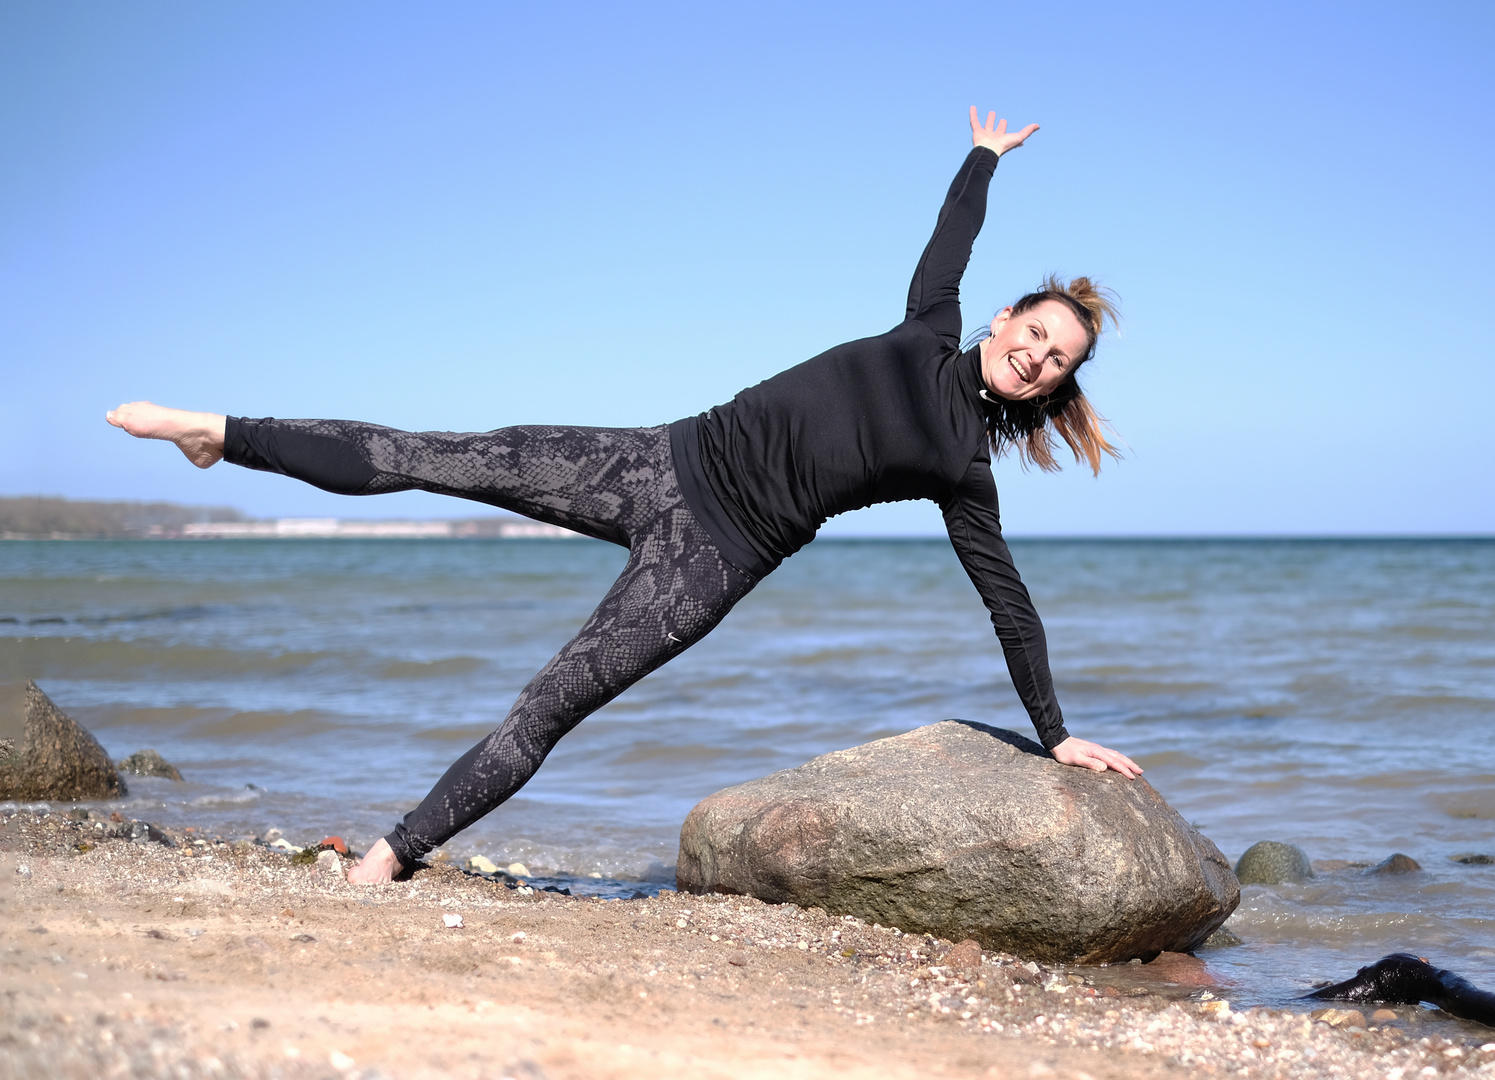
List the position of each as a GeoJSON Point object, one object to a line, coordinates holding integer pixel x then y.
{"type": "Point", "coordinates": [1001, 319]}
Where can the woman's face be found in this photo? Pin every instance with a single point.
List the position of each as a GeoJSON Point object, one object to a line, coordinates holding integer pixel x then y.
{"type": "Point", "coordinates": [1029, 355]}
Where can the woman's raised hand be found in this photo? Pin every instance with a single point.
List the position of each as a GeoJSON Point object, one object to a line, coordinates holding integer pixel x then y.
{"type": "Point", "coordinates": [1084, 754]}
{"type": "Point", "coordinates": [996, 138]}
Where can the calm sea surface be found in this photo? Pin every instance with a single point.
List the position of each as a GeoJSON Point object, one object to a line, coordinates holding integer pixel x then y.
{"type": "Point", "coordinates": [1335, 695]}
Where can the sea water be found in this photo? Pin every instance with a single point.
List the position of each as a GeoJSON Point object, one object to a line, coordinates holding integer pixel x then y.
{"type": "Point", "coordinates": [1333, 694]}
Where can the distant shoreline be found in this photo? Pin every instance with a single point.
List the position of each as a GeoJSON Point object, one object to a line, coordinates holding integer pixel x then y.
{"type": "Point", "coordinates": [38, 517]}
{"type": "Point", "coordinates": [49, 518]}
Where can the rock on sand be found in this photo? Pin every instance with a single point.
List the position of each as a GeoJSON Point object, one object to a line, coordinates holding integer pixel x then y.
{"type": "Point", "coordinates": [46, 754]}
{"type": "Point", "coordinates": [966, 831]}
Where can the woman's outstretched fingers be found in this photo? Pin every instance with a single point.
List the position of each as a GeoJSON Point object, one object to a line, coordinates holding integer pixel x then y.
{"type": "Point", "coordinates": [995, 136]}
{"type": "Point", "coordinates": [1084, 754]}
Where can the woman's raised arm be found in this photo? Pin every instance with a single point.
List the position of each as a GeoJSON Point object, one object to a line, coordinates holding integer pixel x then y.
{"type": "Point", "coordinates": [934, 293]}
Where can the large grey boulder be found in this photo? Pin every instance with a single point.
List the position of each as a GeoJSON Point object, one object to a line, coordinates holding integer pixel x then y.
{"type": "Point", "coordinates": [46, 754]}
{"type": "Point", "coordinates": [966, 831]}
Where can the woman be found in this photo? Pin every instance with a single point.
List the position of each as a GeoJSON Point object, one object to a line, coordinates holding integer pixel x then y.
{"type": "Point", "coordinates": [711, 504]}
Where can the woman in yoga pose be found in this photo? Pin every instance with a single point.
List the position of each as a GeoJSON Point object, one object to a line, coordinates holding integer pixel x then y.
{"type": "Point", "coordinates": [709, 505]}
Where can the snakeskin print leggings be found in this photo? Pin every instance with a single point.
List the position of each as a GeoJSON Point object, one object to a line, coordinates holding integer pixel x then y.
{"type": "Point", "coordinates": [615, 484]}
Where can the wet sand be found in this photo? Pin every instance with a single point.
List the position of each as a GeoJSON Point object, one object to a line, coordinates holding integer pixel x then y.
{"type": "Point", "coordinates": [219, 959]}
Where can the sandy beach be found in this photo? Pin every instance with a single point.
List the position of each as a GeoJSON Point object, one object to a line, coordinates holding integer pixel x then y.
{"type": "Point", "coordinates": [221, 957]}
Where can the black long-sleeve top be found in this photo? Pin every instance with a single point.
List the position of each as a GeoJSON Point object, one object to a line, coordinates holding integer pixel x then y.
{"type": "Point", "coordinates": [881, 419]}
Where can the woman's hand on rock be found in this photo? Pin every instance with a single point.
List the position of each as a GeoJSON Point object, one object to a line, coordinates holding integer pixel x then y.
{"type": "Point", "coordinates": [1085, 754]}
{"type": "Point", "coordinates": [997, 138]}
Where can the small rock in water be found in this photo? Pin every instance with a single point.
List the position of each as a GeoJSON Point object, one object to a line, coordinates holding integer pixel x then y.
{"type": "Point", "coordinates": [1223, 938]}
{"type": "Point", "coordinates": [1331, 866]}
{"type": "Point", "coordinates": [1180, 968]}
{"type": "Point", "coordinates": [1340, 1017]}
{"type": "Point", "coordinates": [965, 957]}
{"type": "Point", "coordinates": [1272, 863]}
{"type": "Point", "coordinates": [518, 869]}
{"type": "Point", "coordinates": [453, 921]}
{"type": "Point", "coordinates": [1474, 859]}
{"type": "Point", "coordinates": [149, 763]}
{"type": "Point", "coordinates": [1383, 1016]}
{"type": "Point", "coordinates": [482, 865]}
{"type": "Point", "coordinates": [1396, 864]}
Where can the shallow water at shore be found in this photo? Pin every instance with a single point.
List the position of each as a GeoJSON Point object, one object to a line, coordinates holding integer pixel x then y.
{"type": "Point", "coordinates": [1333, 694]}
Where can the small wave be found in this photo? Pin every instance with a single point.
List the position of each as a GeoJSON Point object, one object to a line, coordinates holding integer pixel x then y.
{"type": "Point", "coordinates": [299, 723]}
{"type": "Point", "coordinates": [1477, 805]}
{"type": "Point", "coordinates": [1174, 759]}
{"type": "Point", "coordinates": [56, 657]}
{"type": "Point", "coordinates": [837, 658]}
{"type": "Point", "coordinates": [171, 614]}
{"type": "Point", "coordinates": [211, 723]}
{"type": "Point", "coordinates": [1139, 687]}
{"type": "Point", "coordinates": [660, 752]}
{"type": "Point", "coordinates": [431, 669]}
{"type": "Point", "coordinates": [463, 733]}
{"type": "Point", "coordinates": [236, 798]}
{"type": "Point", "coordinates": [1262, 919]}
{"type": "Point", "coordinates": [1422, 702]}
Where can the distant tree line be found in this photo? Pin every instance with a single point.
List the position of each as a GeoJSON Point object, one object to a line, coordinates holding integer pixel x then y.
{"type": "Point", "coordinates": [41, 517]}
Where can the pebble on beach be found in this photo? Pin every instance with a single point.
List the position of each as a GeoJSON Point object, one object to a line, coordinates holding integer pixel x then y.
{"type": "Point", "coordinates": [964, 957]}
{"type": "Point", "coordinates": [328, 868]}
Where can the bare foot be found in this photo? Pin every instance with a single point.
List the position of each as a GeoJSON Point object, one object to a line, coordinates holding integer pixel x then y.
{"type": "Point", "coordinates": [199, 435]}
{"type": "Point", "coordinates": [378, 867]}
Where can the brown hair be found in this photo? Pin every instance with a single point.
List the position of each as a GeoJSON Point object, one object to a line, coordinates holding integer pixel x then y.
{"type": "Point", "coordinates": [1025, 424]}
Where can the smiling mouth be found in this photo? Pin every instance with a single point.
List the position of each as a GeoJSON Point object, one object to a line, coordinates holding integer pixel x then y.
{"type": "Point", "coordinates": [1021, 371]}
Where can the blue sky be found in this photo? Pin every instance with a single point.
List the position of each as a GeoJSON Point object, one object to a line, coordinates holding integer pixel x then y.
{"type": "Point", "coordinates": [470, 215]}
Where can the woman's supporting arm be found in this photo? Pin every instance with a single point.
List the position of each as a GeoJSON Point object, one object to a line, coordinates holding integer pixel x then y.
{"type": "Point", "coordinates": [975, 528]}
